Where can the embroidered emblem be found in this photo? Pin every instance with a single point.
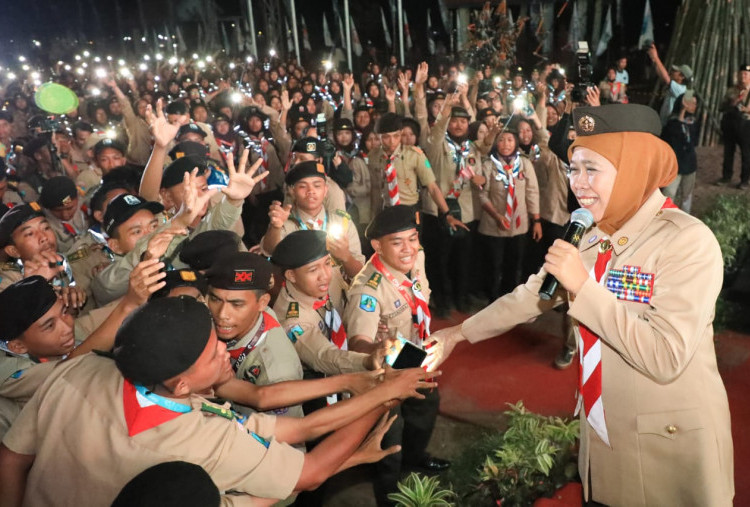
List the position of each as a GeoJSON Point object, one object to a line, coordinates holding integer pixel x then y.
{"type": "Point", "coordinates": [472, 161]}
{"type": "Point", "coordinates": [79, 254]}
{"type": "Point", "coordinates": [292, 311]}
{"type": "Point", "coordinates": [188, 276]}
{"type": "Point", "coordinates": [622, 241]}
{"type": "Point", "coordinates": [243, 275]}
{"type": "Point", "coordinates": [374, 280]}
{"type": "Point", "coordinates": [66, 200]}
{"type": "Point", "coordinates": [131, 200]}
{"type": "Point", "coordinates": [35, 206]}
{"type": "Point", "coordinates": [17, 374]}
{"type": "Point", "coordinates": [367, 303]}
{"type": "Point", "coordinates": [397, 303]}
{"type": "Point", "coordinates": [311, 147]}
{"type": "Point", "coordinates": [253, 373]}
{"type": "Point", "coordinates": [629, 284]}
{"type": "Point", "coordinates": [587, 124]}
{"type": "Point", "coordinates": [294, 333]}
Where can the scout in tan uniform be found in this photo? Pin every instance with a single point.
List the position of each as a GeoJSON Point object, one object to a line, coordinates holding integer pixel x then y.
{"type": "Point", "coordinates": [59, 198]}
{"type": "Point", "coordinates": [178, 115]}
{"type": "Point", "coordinates": [139, 137]}
{"type": "Point", "coordinates": [108, 154]}
{"type": "Point", "coordinates": [307, 184]}
{"type": "Point", "coordinates": [642, 284]}
{"type": "Point", "coordinates": [238, 299]}
{"type": "Point", "coordinates": [360, 189]}
{"type": "Point", "coordinates": [309, 148]}
{"type": "Point", "coordinates": [310, 311]}
{"type": "Point", "coordinates": [143, 408]}
{"type": "Point", "coordinates": [510, 195]}
{"type": "Point", "coordinates": [10, 195]}
{"type": "Point", "coordinates": [392, 291]}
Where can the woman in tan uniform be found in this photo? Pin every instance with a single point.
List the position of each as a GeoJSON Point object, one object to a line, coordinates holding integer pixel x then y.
{"type": "Point", "coordinates": [655, 427]}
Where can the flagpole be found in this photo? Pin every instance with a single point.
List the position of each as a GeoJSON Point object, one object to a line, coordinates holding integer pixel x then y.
{"type": "Point", "coordinates": [347, 24]}
{"type": "Point", "coordinates": [251, 20]}
{"type": "Point", "coordinates": [294, 30]}
{"type": "Point", "coordinates": [400, 31]}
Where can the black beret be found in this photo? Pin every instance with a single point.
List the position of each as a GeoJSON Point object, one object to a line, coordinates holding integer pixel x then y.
{"type": "Point", "coordinates": [170, 484]}
{"type": "Point", "coordinates": [362, 107]}
{"type": "Point", "coordinates": [517, 71]}
{"type": "Point", "coordinates": [97, 199]}
{"type": "Point", "coordinates": [484, 113]}
{"type": "Point", "coordinates": [201, 251]}
{"type": "Point", "coordinates": [34, 145]}
{"type": "Point", "coordinates": [241, 271]}
{"type": "Point", "coordinates": [389, 122]}
{"type": "Point", "coordinates": [177, 107]}
{"type": "Point", "coordinates": [190, 128]}
{"type": "Point", "coordinates": [391, 220]}
{"type": "Point", "coordinates": [342, 124]}
{"type": "Point", "coordinates": [438, 95]}
{"type": "Point", "coordinates": [22, 304]}
{"type": "Point", "coordinates": [6, 115]}
{"type": "Point", "coordinates": [129, 174]}
{"type": "Point", "coordinates": [300, 116]}
{"type": "Point", "coordinates": [17, 216]}
{"type": "Point", "coordinates": [459, 112]}
{"type": "Point", "coordinates": [108, 143]}
{"type": "Point", "coordinates": [299, 249]}
{"type": "Point", "coordinates": [123, 207]}
{"type": "Point", "coordinates": [189, 149]}
{"type": "Point", "coordinates": [175, 172]}
{"type": "Point", "coordinates": [248, 112]}
{"type": "Point", "coordinates": [306, 169]}
{"type": "Point", "coordinates": [57, 191]}
{"type": "Point", "coordinates": [309, 145]}
{"type": "Point", "coordinates": [83, 126]}
{"type": "Point", "coordinates": [162, 339]}
{"type": "Point", "coordinates": [590, 121]}
{"type": "Point", "coordinates": [745, 67]}
{"type": "Point", "coordinates": [181, 278]}
{"type": "Point", "coordinates": [222, 117]}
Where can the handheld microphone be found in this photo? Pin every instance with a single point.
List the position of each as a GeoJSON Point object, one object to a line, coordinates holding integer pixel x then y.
{"type": "Point", "coordinates": [580, 220]}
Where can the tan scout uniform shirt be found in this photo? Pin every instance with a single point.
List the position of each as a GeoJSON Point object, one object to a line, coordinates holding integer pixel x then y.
{"type": "Point", "coordinates": [84, 455]}
{"type": "Point", "coordinates": [19, 379]}
{"type": "Point", "coordinates": [272, 360]}
{"type": "Point", "coordinates": [360, 189]}
{"type": "Point", "coordinates": [112, 283]}
{"type": "Point", "coordinates": [413, 171]}
{"type": "Point", "coordinates": [551, 175]}
{"type": "Point", "coordinates": [275, 169]}
{"type": "Point", "coordinates": [66, 238]}
{"type": "Point", "coordinates": [209, 140]}
{"type": "Point", "coordinates": [89, 178]}
{"type": "Point", "coordinates": [439, 152]}
{"type": "Point", "coordinates": [308, 331]}
{"type": "Point", "coordinates": [494, 191]}
{"type": "Point", "coordinates": [12, 197]}
{"type": "Point", "coordinates": [139, 137]}
{"type": "Point", "coordinates": [372, 299]}
{"type": "Point", "coordinates": [665, 405]}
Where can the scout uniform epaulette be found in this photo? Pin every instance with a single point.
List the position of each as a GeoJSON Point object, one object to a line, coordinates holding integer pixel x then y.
{"type": "Point", "coordinates": [292, 312]}
{"type": "Point", "coordinates": [343, 214]}
{"type": "Point", "coordinates": [79, 254]}
{"type": "Point", "coordinates": [374, 280]}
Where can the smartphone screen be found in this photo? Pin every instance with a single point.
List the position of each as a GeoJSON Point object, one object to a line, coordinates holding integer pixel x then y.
{"type": "Point", "coordinates": [404, 354]}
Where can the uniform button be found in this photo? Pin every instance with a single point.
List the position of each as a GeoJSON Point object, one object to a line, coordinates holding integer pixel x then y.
{"type": "Point", "coordinates": [671, 429]}
{"type": "Point", "coordinates": [622, 241]}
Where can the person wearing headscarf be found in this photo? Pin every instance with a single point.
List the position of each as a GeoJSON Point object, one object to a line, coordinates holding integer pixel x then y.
{"type": "Point", "coordinates": [642, 286]}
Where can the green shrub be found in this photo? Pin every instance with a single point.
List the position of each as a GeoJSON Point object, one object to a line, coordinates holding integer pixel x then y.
{"type": "Point", "coordinates": [421, 491]}
{"type": "Point", "coordinates": [729, 220]}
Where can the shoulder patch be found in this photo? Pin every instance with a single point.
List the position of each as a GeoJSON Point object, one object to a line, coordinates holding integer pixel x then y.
{"type": "Point", "coordinates": [417, 149]}
{"type": "Point", "coordinates": [220, 411]}
{"type": "Point", "coordinates": [367, 303]}
{"type": "Point", "coordinates": [17, 375]}
{"type": "Point", "coordinates": [79, 254]}
{"type": "Point", "coordinates": [374, 280]}
{"type": "Point", "coordinates": [292, 311]}
{"type": "Point", "coordinates": [343, 214]}
{"type": "Point", "coordinates": [294, 333]}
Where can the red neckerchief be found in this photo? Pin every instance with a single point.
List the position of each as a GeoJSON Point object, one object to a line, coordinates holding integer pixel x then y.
{"type": "Point", "coordinates": [139, 418]}
{"type": "Point", "coordinates": [238, 355]}
{"type": "Point", "coordinates": [332, 320]}
{"type": "Point", "coordinates": [419, 310]}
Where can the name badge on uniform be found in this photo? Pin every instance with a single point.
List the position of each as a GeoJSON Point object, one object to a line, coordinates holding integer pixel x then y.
{"type": "Point", "coordinates": [629, 284]}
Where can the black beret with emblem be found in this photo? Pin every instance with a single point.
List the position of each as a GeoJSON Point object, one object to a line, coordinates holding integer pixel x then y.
{"type": "Point", "coordinates": [190, 128]}
{"type": "Point", "coordinates": [296, 117]}
{"type": "Point", "coordinates": [175, 172]}
{"type": "Point", "coordinates": [362, 107]}
{"type": "Point", "coordinates": [221, 117]}
{"type": "Point", "coordinates": [389, 122]}
{"type": "Point", "coordinates": [181, 278]}
{"type": "Point", "coordinates": [22, 304]}
{"type": "Point", "coordinates": [306, 169]}
{"type": "Point", "coordinates": [437, 95]}
{"type": "Point", "coordinates": [189, 149]}
{"type": "Point", "coordinates": [201, 251]}
{"type": "Point", "coordinates": [58, 191]}
{"type": "Point", "coordinates": [162, 339]}
{"type": "Point", "coordinates": [484, 113]}
{"type": "Point", "coordinates": [124, 206]}
{"type": "Point", "coordinates": [251, 111]}
{"type": "Point", "coordinates": [108, 143]}
{"type": "Point", "coordinates": [299, 249]}
{"type": "Point", "coordinates": [745, 67]}
{"type": "Point", "coordinates": [459, 112]}
{"type": "Point", "coordinates": [309, 145]}
{"type": "Point", "coordinates": [342, 124]}
{"type": "Point", "coordinates": [613, 118]}
{"type": "Point", "coordinates": [17, 216]}
{"type": "Point", "coordinates": [392, 220]}
{"type": "Point", "coordinates": [240, 271]}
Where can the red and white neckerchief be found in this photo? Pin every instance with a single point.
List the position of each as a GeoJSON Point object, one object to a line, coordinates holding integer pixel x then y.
{"type": "Point", "coordinates": [464, 172]}
{"type": "Point", "coordinates": [420, 310]}
{"type": "Point", "coordinates": [69, 228]}
{"type": "Point", "coordinates": [507, 174]}
{"type": "Point", "coordinates": [144, 410]}
{"type": "Point", "coordinates": [260, 146]}
{"type": "Point", "coordinates": [391, 180]}
{"type": "Point", "coordinates": [590, 358]}
{"type": "Point", "coordinates": [238, 355]}
{"type": "Point", "coordinates": [332, 320]}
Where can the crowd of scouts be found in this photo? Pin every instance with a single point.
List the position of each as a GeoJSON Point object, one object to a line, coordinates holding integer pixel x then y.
{"type": "Point", "coordinates": [210, 266]}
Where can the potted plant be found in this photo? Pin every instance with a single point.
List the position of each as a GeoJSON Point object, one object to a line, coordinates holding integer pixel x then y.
{"type": "Point", "coordinates": [421, 491]}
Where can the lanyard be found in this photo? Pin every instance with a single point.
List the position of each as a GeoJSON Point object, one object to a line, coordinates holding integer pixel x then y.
{"type": "Point", "coordinates": [162, 401]}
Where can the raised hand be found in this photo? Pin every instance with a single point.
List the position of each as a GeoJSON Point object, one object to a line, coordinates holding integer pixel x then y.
{"type": "Point", "coordinates": [390, 95]}
{"type": "Point", "coordinates": [348, 82]}
{"type": "Point", "coordinates": [159, 243]}
{"type": "Point", "coordinates": [47, 264]}
{"type": "Point", "coordinates": [278, 213]}
{"type": "Point", "coordinates": [145, 279]}
{"type": "Point", "coordinates": [163, 131]}
{"type": "Point", "coordinates": [286, 104]}
{"type": "Point", "coordinates": [422, 73]}
{"type": "Point", "coordinates": [242, 181]}
{"type": "Point", "coordinates": [194, 202]}
{"type": "Point", "coordinates": [403, 83]}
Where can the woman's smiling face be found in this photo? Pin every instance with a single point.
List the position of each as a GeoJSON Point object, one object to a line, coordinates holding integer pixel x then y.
{"type": "Point", "coordinates": [592, 178]}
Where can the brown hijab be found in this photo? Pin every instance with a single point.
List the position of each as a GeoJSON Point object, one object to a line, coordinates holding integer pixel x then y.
{"type": "Point", "coordinates": [644, 163]}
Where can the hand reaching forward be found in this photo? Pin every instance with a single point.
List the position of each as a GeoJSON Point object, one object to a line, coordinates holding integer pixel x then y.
{"type": "Point", "coordinates": [194, 203]}
{"type": "Point", "coordinates": [145, 279]}
{"type": "Point", "coordinates": [241, 180]}
{"type": "Point", "coordinates": [441, 346]}
{"type": "Point", "coordinates": [163, 131]}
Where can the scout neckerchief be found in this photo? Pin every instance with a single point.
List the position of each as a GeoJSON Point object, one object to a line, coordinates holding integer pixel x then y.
{"type": "Point", "coordinates": [534, 152]}
{"type": "Point", "coordinates": [590, 359]}
{"type": "Point", "coordinates": [237, 356]}
{"type": "Point", "coordinates": [145, 410]}
{"type": "Point", "coordinates": [507, 175]}
{"type": "Point", "coordinates": [391, 180]}
{"type": "Point", "coordinates": [314, 224]}
{"type": "Point", "coordinates": [69, 228]}
{"type": "Point", "coordinates": [464, 172]}
{"type": "Point", "coordinates": [260, 146]}
{"type": "Point", "coordinates": [420, 312]}
{"type": "Point", "coordinates": [332, 319]}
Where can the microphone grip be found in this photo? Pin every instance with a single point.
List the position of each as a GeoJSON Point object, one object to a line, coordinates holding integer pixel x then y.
{"type": "Point", "coordinates": [573, 235]}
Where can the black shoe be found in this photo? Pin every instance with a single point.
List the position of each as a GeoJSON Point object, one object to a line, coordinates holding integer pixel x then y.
{"type": "Point", "coordinates": [564, 358]}
{"type": "Point", "coordinates": [723, 182]}
{"type": "Point", "coordinates": [743, 185]}
{"type": "Point", "coordinates": [433, 464]}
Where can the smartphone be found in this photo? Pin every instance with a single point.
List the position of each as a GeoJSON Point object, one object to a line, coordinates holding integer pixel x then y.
{"type": "Point", "coordinates": [404, 354]}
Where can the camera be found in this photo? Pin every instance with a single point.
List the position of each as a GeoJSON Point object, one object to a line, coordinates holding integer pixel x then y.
{"type": "Point", "coordinates": [585, 71]}
{"type": "Point", "coordinates": [328, 150]}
